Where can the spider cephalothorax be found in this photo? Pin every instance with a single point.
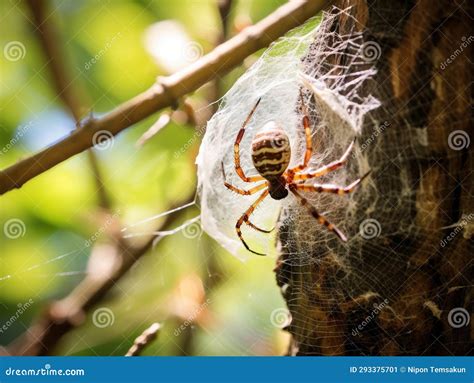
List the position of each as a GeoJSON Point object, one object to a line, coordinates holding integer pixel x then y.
{"type": "Point", "coordinates": [271, 153]}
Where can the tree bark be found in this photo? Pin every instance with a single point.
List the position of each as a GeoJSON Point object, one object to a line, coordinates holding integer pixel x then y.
{"type": "Point", "coordinates": [404, 291]}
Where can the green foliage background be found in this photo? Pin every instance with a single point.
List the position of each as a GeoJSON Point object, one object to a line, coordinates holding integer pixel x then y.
{"type": "Point", "coordinates": [59, 208]}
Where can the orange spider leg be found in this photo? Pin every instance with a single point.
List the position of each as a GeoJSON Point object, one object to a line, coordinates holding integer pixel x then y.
{"type": "Point", "coordinates": [247, 192]}
{"type": "Point", "coordinates": [321, 219]}
{"type": "Point", "coordinates": [332, 188]}
{"type": "Point", "coordinates": [240, 135]}
{"type": "Point", "coordinates": [241, 191]}
{"type": "Point", "coordinates": [245, 218]}
{"type": "Point", "coordinates": [327, 168]}
{"type": "Point", "coordinates": [261, 230]}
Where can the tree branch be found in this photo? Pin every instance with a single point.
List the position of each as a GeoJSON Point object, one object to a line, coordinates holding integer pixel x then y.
{"type": "Point", "coordinates": [166, 91]}
{"type": "Point", "coordinates": [70, 312]}
{"type": "Point", "coordinates": [48, 37]}
{"type": "Point", "coordinates": [71, 96]}
{"type": "Point", "coordinates": [144, 339]}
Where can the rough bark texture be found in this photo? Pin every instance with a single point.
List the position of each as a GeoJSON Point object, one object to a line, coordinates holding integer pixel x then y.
{"type": "Point", "coordinates": [422, 280]}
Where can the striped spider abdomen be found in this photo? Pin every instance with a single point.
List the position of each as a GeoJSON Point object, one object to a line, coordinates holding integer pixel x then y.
{"type": "Point", "coordinates": [271, 153]}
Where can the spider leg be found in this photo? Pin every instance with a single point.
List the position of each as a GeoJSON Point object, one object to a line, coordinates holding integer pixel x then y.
{"type": "Point", "coordinates": [327, 168]}
{"type": "Point", "coordinates": [245, 218]}
{"type": "Point", "coordinates": [321, 219]}
{"type": "Point", "coordinates": [241, 191]}
{"type": "Point", "coordinates": [245, 192]}
{"type": "Point", "coordinates": [258, 229]}
{"type": "Point", "coordinates": [309, 141]}
{"type": "Point", "coordinates": [240, 135]}
{"type": "Point", "coordinates": [332, 188]}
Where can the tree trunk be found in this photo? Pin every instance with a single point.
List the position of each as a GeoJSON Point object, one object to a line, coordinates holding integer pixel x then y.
{"type": "Point", "coordinates": [407, 290]}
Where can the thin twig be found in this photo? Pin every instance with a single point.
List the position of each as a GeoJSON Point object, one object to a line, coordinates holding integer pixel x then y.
{"type": "Point", "coordinates": [143, 340]}
{"type": "Point", "coordinates": [66, 88]}
{"type": "Point", "coordinates": [166, 91]}
{"type": "Point", "coordinates": [224, 7]}
{"type": "Point", "coordinates": [48, 38]}
{"type": "Point", "coordinates": [70, 312]}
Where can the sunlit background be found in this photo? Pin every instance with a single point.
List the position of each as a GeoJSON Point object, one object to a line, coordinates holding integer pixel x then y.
{"type": "Point", "coordinates": [208, 302]}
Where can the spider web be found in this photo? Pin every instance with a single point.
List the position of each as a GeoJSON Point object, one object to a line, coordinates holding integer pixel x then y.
{"type": "Point", "coordinates": [277, 77]}
{"type": "Point", "coordinates": [373, 291]}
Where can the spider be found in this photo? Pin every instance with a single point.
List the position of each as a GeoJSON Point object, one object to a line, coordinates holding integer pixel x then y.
{"type": "Point", "coordinates": [271, 154]}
